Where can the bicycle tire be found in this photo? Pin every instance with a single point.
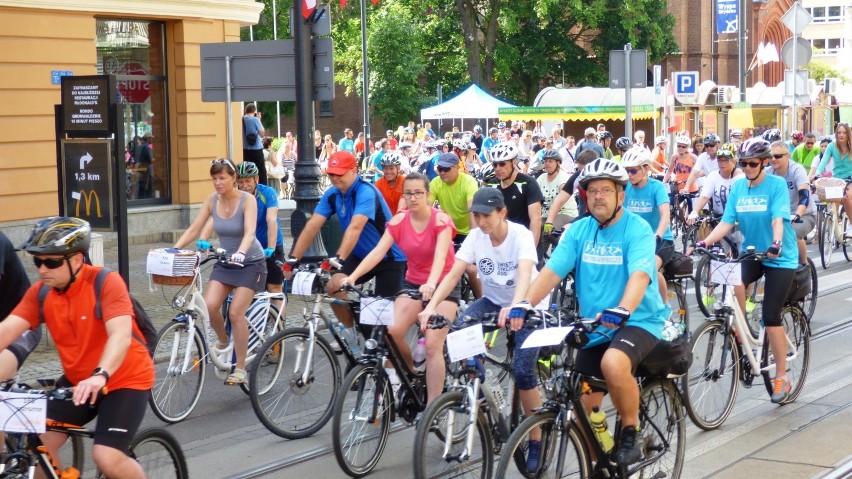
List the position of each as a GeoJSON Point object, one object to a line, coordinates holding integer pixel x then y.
{"type": "Point", "coordinates": [755, 296]}
{"type": "Point", "coordinates": [429, 445]}
{"type": "Point", "coordinates": [160, 454]}
{"type": "Point", "coordinates": [810, 301]}
{"type": "Point", "coordinates": [707, 292]}
{"type": "Point", "coordinates": [677, 299]}
{"type": "Point", "coordinates": [847, 249]}
{"type": "Point", "coordinates": [661, 405]}
{"type": "Point", "coordinates": [826, 241]}
{"type": "Point", "coordinates": [281, 402]}
{"type": "Point", "coordinates": [354, 430]}
{"type": "Point", "coordinates": [564, 295]}
{"type": "Point", "coordinates": [176, 393]}
{"type": "Point", "coordinates": [710, 386]}
{"type": "Point", "coordinates": [574, 464]}
{"type": "Point", "coordinates": [798, 334]}
{"type": "Point", "coordinates": [71, 454]}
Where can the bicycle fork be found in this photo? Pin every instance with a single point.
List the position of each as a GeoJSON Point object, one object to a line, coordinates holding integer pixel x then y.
{"type": "Point", "coordinates": [306, 353]}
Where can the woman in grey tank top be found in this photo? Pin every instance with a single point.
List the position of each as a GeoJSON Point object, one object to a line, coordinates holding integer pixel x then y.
{"type": "Point", "coordinates": [234, 216]}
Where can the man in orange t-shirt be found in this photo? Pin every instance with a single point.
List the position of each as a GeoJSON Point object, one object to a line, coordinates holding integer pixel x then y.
{"type": "Point", "coordinates": [104, 358]}
{"type": "Point", "coordinates": [390, 184]}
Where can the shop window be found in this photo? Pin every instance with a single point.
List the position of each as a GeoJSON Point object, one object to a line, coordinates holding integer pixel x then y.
{"type": "Point", "coordinates": [134, 51]}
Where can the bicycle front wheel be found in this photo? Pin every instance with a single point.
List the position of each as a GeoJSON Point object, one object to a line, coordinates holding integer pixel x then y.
{"type": "Point", "coordinates": [663, 429]}
{"type": "Point", "coordinates": [179, 366]}
{"type": "Point", "coordinates": [442, 452]}
{"type": "Point", "coordinates": [160, 455]}
{"type": "Point", "coordinates": [827, 240]}
{"type": "Point", "coordinates": [847, 248]}
{"type": "Point", "coordinates": [562, 452]}
{"type": "Point", "coordinates": [707, 292]}
{"type": "Point", "coordinates": [362, 419]}
{"type": "Point", "coordinates": [809, 303]}
{"type": "Point", "coordinates": [798, 352]}
{"type": "Point", "coordinates": [710, 385]}
{"type": "Point", "coordinates": [292, 393]}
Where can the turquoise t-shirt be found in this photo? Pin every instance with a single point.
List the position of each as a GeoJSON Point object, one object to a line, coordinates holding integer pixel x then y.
{"type": "Point", "coordinates": [755, 208]}
{"type": "Point", "coordinates": [646, 202]}
{"type": "Point", "coordinates": [842, 164]}
{"type": "Point", "coordinates": [604, 259]}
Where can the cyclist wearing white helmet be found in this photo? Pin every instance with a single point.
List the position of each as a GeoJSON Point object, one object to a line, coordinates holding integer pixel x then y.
{"type": "Point", "coordinates": [621, 145]}
{"type": "Point", "coordinates": [551, 183]}
{"type": "Point", "coordinates": [706, 162]}
{"type": "Point", "coordinates": [611, 247]}
{"type": "Point", "coordinates": [682, 163]}
{"type": "Point", "coordinates": [648, 198]}
{"type": "Point", "coordinates": [521, 192]}
{"type": "Point", "coordinates": [390, 184]}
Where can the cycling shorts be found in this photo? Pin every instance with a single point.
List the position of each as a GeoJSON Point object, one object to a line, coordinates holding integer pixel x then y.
{"type": "Point", "coordinates": [776, 287]}
{"type": "Point", "coordinates": [633, 341]}
{"type": "Point", "coordinates": [274, 275]}
{"type": "Point", "coordinates": [388, 274]}
{"type": "Point", "coordinates": [454, 295]}
{"type": "Point", "coordinates": [665, 250]}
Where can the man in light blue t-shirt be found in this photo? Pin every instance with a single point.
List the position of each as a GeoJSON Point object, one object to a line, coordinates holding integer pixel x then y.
{"type": "Point", "coordinates": [611, 253]}
{"type": "Point", "coordinates": [347, 143]}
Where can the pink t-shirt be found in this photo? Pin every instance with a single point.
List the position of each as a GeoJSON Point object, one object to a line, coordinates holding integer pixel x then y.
{"type": "Point", "coordinates": [419, 248]}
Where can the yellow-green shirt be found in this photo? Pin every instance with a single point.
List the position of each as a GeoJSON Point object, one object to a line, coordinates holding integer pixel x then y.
{"type": "Point", "coordinates": [454, 199]}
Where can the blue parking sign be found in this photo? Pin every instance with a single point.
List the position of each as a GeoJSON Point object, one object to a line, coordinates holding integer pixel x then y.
{"type": "Point", "coordinates": [686, 82]}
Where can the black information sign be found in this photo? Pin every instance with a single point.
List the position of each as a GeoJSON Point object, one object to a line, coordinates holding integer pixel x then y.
{"type": "Point", "coordinates": [86, 102]}
{"type": "Point", "coordinates": [87, 182]}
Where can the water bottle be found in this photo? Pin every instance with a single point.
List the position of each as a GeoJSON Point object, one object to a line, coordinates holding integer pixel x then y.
{"type": "Point", "coordinates": [598, 420]}
{"type": "Point", "coordinates": [350, 337]}
{"type": "Point", "coordinates": [420, 355]}
{"type": "Point", "coordinates": [670, 331]}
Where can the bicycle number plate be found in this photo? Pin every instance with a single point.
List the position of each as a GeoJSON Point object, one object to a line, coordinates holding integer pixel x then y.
{"type": "Point", "coordinates": [303, 283]}
{"type": "Point", "coordinates": [376, 312]}
{"type": "Point", "coordinates": [21, 412]}
{"type": "Point", "coordinates": [547, 337]}
{"type": "Point", "coordinates": [726, 273]}
{"type": "Point", "coordinates": [834, 192]}
{"type": "Point", "coordinates": [465, 343]}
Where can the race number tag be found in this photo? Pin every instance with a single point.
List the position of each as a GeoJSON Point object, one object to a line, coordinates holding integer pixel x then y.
{"type": "Point", "coordinates": [726, 273]}
{"type": "Point", "coordinates": [834, 192]}
{"type": "Point", "coordinates": [465, 343]}
{"type": "Point", "coordinates": [20, 412]}
{"type": "Point", "coordinates": [376, 312]}
{"type": "Point", "coordinates": [547, 337]}
{"type": "Point", "coordinates": [303, 283]}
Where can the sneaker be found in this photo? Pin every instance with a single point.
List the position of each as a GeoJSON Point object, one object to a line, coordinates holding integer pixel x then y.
{"type": "Point", "coordinates": [780, 390]}
{"type": "Point", "coordinates": [750, 305]}
{"type": "Point", "coordinates": [628, 451]}
{"type": "Point", "coordinates": [533, 451]}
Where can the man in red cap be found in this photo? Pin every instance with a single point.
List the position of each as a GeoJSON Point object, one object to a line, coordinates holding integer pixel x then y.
{"type": "Point", "coordinates": [362, 213]}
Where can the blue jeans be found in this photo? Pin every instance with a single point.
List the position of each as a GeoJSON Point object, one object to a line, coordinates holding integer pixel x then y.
{"type": "Point", "coordinates": [523, 362]}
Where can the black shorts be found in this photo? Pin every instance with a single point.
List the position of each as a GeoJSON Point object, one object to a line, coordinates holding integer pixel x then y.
{"type": "Point", "coordinates": [454, 295]}
{"type": "Point", "coordinates": [388, 274]}
{"type": "Point", "coordinates": [458, 240]}
{"type": "Point", "coordinates": [635, 342]}
{"type": "Point", "coordinates": [119, 414]}
{"type": "Point", "coordinates": [776, 285]}
{"type": "Point", "coordinates": [274, 275]}
{"type": "Point", "coordinates": [665, 250]}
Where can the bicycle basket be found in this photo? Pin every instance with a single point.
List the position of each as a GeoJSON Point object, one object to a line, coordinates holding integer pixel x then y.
{"type": "Point", "coordinates": [171, 267]}
{"type": "Point", "coordinates": [801, 286]}
{"type": "Point", "coordinates": [822, 183]}
{"type": "Point", "coordinates": [668, 358]}
{"type": "Point", "coordinates": [679, 266]}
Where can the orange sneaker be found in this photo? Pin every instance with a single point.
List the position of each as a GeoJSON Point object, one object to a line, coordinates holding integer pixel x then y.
{"type": "Point", "coordinates": [780, 390]}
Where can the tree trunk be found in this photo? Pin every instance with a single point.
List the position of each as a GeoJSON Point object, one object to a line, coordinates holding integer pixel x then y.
{"type": "Point", "coordinates": [468, 13]}
{"type": "Point", "coordinates": [490, 42]}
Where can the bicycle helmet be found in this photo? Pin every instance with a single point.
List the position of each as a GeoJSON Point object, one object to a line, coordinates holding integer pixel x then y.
{"type": "Point", "coordinates": [501, 125]}
{"type": "Point", "coordinates": [404, 145]}
{"type": "Point", "coordinates": [603, 135]}
{"type": "Point", "coordinates": [770, 135]}
{"type": "Point", "coordinates": [505, 151]}
{"type": "Point", "coordinates": [491, 131]}
{"type": "Point", "coordinates": [477, 129]}
{"type": "Point", "coordinates": [711, 139]}
{"type": "Point", "coordinates": [736, 133]}
{"type": "Point", "coordinates": [825, 139]}
{"type": "Point", "coordinates": [59, 235]}
{"type": "Point", "coordinates": [551, 155]}
{"type": "Point", "coordinates": [603, 169]}
{"type": "Point", "coordinates": [635, 157]}
{"type": "Point", "coordinates": [683, 140]}
{"type": "Point", "coordinates": [623, 143]}
{"type": "Point", "coordinates": [538, 136]}
{"type": "Point", "coordinates": [661, 139]}
{"type": "Point", "coordinates": [754, 148]}
{"type": "Point", "coordinates": [797, 135]}
{"type": "Point", "coordinates": [486, 174]}
{"type": "Point", "coordinates": [391, 158]}
{"type": "Point", "coordinates": [429, 145]}
{"type": "Point", "coordinates": [247, 169]}
{"type": "Point", "coordinates": [461, 144]}
{"type": "Point", "coordinates": [727, 150]}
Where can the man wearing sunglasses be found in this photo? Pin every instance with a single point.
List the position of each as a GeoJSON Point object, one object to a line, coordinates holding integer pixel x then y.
{"type": "Point", "coordinates": [805, 153]}
{"type": "Point", "coordinates": [99, 353]}
{"type": "Point", "coordinates": [521, 192]}
{"type": "Point", "coordinates": [802, 205]}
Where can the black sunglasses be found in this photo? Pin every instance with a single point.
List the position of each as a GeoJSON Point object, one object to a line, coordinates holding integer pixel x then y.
{"type": "Point", "coordinates": [444, 169]}
{"type": "Point", "coordinates": [750, 164]}
{"type": "Point", "coordinates": [778, 157]}
{"type": "Point", "coordinates": [51, 263]}
{"type": "Point", "coordinates": [501, 164]}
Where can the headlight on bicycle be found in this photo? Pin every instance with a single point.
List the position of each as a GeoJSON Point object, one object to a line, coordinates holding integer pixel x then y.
{"type": "Point", "coordinates": [371, 344]}
{"type": "Point", "coordinates": [179, 302]}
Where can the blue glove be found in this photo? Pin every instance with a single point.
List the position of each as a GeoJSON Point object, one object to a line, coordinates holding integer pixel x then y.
{"type": "Point", "coordinates": [268, 252]}
{"type": "Point", "coordinates": [203, 245]}
{"type": "Point", "coordinates": [615, 316]}
{"type": "Point", "coordinates": [520, 310]}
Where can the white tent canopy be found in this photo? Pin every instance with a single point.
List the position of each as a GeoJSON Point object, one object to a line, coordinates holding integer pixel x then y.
{"type": "Point", "coordinates": [471, 103]}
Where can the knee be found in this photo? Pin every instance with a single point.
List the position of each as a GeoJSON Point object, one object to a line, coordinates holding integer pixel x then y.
{"type": "Point", "coordinates": [615, 364]}
{"type": "Point", "coordinates": [434, 345]}
{"type": "Point", "coordinates": [108, 459]}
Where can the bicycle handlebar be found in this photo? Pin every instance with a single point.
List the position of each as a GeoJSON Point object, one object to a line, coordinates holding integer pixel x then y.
{"type": "Point", "coordinates": [750, 253]}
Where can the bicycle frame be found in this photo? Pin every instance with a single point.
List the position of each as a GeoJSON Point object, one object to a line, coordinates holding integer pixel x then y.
{"type": "Point", "coordinates": [313, 322]}
{"type": "Point", "coordinates": [35, 449]}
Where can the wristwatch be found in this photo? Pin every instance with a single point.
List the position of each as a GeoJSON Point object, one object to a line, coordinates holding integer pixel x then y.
{"type": "Point", "coordinates": [101, 372]}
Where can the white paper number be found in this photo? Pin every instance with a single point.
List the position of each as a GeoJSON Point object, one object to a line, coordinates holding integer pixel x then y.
{"type": "Point", "coordinates": [303, 283]}
{"type": "Point", "coordinates": [465, 343]}
{"type": "Point", "coordinates": [726, 273]}
{"type": "Point", "coordinates": [547, 337]}
{"type": "Point", "coordinates": [20, 412]}
{"type": "Point", "coordinates": [376, 312]}
{"type": "Point", "coordinates": [834, 192]}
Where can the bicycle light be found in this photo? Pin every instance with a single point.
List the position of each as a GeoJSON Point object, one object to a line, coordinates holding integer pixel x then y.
{"type": "Point", "coordinates": [325, 265]}
{"type": "Point", "coordinates": [371, 344]}
{"type": "Point", "coordinates": [179, 302]}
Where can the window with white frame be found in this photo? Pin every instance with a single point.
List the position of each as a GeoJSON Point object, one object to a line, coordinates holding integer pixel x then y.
{"type": "Point", "coordinates": [827, 46]}
{"type": "Point", "coordinates": [834, 14]}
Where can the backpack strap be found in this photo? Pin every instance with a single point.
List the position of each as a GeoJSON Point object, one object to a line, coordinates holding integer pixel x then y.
{"type": "Point", "coordinates": [42, 295]}
{"type": "Point", "coordinates": [99, 286]}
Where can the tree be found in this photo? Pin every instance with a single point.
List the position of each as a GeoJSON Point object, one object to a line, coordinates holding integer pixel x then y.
{"type": "Point", "coordinates": [819, 71]}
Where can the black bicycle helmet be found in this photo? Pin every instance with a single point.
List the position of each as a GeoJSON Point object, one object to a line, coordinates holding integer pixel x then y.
{"type": "Point", "coordinates": [712, 139]}
{"type": "Point", "coordinates": [247, 169]}
{"type": "Point", "coordinates": [754, 148]}
{"type": "Point", "coordinates": [551, 155]}
{"type": "Point", "coordinates": [623, 143]}
{"type": "Point", "coordinates": [59, 235]}
{"type": "Point", "coordinates": [770, 135]}
{"type": "Point", "coordinates": [603, 135]}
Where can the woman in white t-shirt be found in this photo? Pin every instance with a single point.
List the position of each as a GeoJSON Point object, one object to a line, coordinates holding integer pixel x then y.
{"type": "Point", "coordinates": [505, 258]}
{"type": "Point", "coordinates": [717, 187]}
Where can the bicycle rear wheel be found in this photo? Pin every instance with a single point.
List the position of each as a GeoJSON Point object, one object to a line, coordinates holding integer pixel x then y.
{"type": "Point", "coordinates": [710, 385]}
{"type": "Point", "coordinates": [451, 409]}
{"type": "Point", "coordinates": [159, 454]}
{"type": "Point", "coordinates": [663, 429]}
{"type": "Point", "coordinates": [809, 303]}
{"type": "Point", "coordinates": [847, 247]}
{"type": "Point", "coordinates": [179, 365]}
{"type": "Point", "coordinates": [286, 404]}
{"type": "Point", "coordinates": [362, 419]}
{"type": "Point", "coordinates": [561, 455]}
{"type": "Point", "coordinates": [798, 351]}
{"type": "Point", "coordinates": [827, 240]}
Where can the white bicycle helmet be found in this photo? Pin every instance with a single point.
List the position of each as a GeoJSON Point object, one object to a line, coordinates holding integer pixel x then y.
{"type": "Point", "coordinates": [460, 144]}
{"type": "Point", "coordinates": [684, 140]}
{"type": "Point", "coordinates": [661, 139]}
{"type": "Point", "coordinates": [392, 158]}
{"type": "Point", "coordinates": [505, 151]}
{"type": "Point", "coordinates": [603, 169]}
{"type": "Point", "coordinates": [635, 157]}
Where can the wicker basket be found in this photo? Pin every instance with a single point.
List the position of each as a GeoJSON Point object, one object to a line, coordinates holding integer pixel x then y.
{"type": "Point", "coordinates": [172, 280]}
{"type": "Point", "coordinates": [172, 267]}
{"type": "Point", "coordinates": [822, 183]}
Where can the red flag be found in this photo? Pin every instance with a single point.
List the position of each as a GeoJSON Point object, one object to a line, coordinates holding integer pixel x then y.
{"type": "Point", "coordinates": [308, 7]}
{"type": "Point", "coordinates": [375, 2]}
{"type": "Point", "coordinates": [343, 3]}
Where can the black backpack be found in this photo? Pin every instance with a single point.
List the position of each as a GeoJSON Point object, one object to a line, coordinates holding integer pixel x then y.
{"type": "Point", "coordinates": [143, 321]}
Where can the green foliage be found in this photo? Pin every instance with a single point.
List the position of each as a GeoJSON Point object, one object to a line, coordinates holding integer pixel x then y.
{"type": "Point", "coordinates": [819, 71]}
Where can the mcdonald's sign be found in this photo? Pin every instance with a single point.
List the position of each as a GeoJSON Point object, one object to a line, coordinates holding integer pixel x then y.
{"type": "Point", "coordinates": [88, 197]}
{"type": "Point", "coordinates": [87, 189]}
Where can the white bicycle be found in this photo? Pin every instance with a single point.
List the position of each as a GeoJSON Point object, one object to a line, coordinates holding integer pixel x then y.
{"type": "Point", "coordinates": [185, 345]}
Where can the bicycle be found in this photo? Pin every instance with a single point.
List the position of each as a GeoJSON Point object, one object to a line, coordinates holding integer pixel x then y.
{"type": "Point", "coordinates": [563, 296]}
{"type": "Point", "coordinates": [184, 347]}
{"type": "Point", "coordinates": [833, 224]}
{"type": "Point", "coordinates": [726, 352]}
{"type": "Point", "coordinates": [294, 395]}
{"type": "Point", "coordinates": [567, 436]}
{"type": "Point", "coordinates": [156, 450]}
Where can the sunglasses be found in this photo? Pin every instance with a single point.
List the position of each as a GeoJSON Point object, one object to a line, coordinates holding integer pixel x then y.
{"type": "Point", "coordinates": [749, 164]}
{"type": "Point", "coordinates": [50, 263]}
{"type": "Point", "coordinates": [501, 164]}
{"type": "Point", "coordinates": [778, 157]}
{"type": "Point", "coordinates": [444, 169]}
{"type": "Point", "coordinates": [633, 171]}
{"type": "Point", "coordinates": [224, 161]}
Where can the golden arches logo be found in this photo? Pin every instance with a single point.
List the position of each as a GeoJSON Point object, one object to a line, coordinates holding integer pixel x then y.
{"type": "Point", "coordinates": [88, 196]}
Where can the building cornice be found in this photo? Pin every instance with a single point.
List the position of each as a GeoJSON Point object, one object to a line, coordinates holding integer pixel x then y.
{"type": "Point", "coordinates": [246, 12]}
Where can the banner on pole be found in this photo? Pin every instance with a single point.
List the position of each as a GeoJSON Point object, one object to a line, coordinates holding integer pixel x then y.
{"type": "Point", "coordinates": [727, 16]}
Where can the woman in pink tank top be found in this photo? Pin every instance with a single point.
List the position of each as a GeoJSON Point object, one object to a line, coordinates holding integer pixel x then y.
{"type": "Point", "coordinates": [425, 235]}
